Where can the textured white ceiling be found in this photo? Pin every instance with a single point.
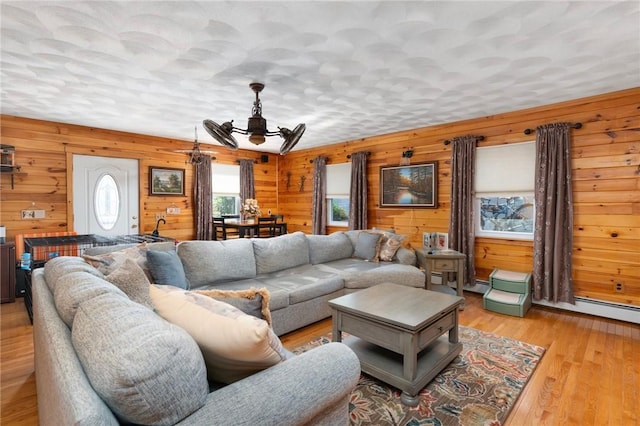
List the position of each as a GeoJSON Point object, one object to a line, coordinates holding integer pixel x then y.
{"type": "Point", "coordinates": [346, 69]}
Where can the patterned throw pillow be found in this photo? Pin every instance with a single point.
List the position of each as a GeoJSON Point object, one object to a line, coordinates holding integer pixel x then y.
{"type": "Point", "coordinates": [390, 245]}
{"type": "Point", "coordinates": [130, 278]}
{"type": "Point", "coordinates": [252, 301]}
{"type": "Point", "coordinates": [234, 345]}
{"type": "Point", "coordinates": [109, 262]}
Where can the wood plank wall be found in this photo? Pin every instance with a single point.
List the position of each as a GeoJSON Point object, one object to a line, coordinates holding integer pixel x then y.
{"type": "Point", "coordinates": [44, 150]}
{"type": "Point", "coordinates": [606, 188]}
{"type": "Point", "coordinates": [606, 165]}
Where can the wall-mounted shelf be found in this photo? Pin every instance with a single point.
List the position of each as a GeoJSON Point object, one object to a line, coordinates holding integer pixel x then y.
{"type": "Point", "coordinates": [12, 171]}
{"type": "Point", "coordinates": [8, 162]}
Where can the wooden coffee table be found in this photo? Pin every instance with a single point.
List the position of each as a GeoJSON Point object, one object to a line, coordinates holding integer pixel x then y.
{"type": "Point", "coordinates": [397, 333]}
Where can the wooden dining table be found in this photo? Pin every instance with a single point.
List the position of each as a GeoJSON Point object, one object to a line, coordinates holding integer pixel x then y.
{"type": "Point", "coordinates": [245, 227]}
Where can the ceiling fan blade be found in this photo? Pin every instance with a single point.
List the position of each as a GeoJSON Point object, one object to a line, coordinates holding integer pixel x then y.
{"type": "Point", "coordinates": [291, 138]}
{"type": "Point", "coordinates": [220, 133]}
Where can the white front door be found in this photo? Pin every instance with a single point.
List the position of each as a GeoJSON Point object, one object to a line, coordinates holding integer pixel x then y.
{"type": "Point", "coordinates": [105, 195]}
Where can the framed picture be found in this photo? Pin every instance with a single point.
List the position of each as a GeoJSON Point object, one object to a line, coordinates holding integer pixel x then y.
{"type": "Point", "coordinates": [409, 186]}
{"type": "Point", "coordinates": [442, 241]}
{"type": "Point", "coordinates": [438, 241]}
{"type": "Point", "coordinates": [166, 181]}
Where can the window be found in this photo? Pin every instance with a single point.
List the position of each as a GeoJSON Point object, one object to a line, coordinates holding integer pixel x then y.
{"type": "Point", "coordinates": [107, 202]}
{"type": "Point", "coordinates": [338, 188]}
{"type": "Point", "coordinates": [225, 182]}
{"type": "Point", "coordinates": [504, 187]}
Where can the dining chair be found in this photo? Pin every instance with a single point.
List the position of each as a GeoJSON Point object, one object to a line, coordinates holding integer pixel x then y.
{"type": "Point", "coordinates": [266, 227]}
{"type": "Point", "coordinates": [220, 230]}
{"type": "Point", "coordinates": [280, 227]}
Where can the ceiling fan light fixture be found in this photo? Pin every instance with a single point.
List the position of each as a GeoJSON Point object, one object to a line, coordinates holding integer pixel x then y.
{"type": "Point", "coordinates": [256, 139]}
{"type": "Point", "coordinates": [256, 128]}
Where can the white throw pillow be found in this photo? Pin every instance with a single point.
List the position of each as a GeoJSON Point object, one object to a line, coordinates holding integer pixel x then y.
{"type": "Point", "coordinates": [234, 345]}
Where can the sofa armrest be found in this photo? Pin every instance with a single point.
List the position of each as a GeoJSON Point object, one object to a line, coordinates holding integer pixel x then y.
{"type": "Point", "coordinates": [421, 259]}
{"type": "Point", "coordinates": [297, 391]}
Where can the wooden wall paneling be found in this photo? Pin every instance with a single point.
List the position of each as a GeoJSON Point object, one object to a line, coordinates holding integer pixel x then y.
{"type": "Point", "coordinates": [605, 162]}
{"type": "Point", "coordinates": [606, 189]}
{"type": "Point", "coordinates": [45, 151]}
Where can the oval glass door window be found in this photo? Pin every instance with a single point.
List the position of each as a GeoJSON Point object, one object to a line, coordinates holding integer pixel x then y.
{"type": "Point", "coordinates": [107, 202]}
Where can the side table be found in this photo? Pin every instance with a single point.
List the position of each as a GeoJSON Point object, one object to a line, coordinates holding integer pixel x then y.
{"type": "Point", "coordinates": [445, 261]}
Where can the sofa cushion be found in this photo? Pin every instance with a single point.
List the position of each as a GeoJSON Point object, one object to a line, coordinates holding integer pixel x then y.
{"type": "Point", "coordinates": [206, 262]}
{"type": "Point", "coordinates": [303, 282]}
{"type": "Point", "coordinates": [131, 279]}
{"type": "Point", "coordinates": [147, 370]}
{"type": "Point", "coordinates": [252, 301]}
{"type": "Point", "coordinates": [283, 252]}
{"type": "Point", "coordinates": [166, 268]}
{"type": "Point", "coordinates": [234, 345]}
{"type": "Point", "coordinates": [325, 248]}
{"type": "Point", "coordinates": [58, 267]}
{"type": "Point", "coordinates": [76, 288]}
{"type": "Point", "coordinates": [368, 246]}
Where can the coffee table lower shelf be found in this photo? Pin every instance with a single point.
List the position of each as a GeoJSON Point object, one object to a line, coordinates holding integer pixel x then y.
{"type": "Point", "coordinates": [388, 366]}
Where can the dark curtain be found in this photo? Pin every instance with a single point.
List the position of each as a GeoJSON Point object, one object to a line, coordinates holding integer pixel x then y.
{"type": "Point", "coordinates": [553, 235]}
{"type": "Point", "coordinates": [247, 183]}
{"type": "Point", "coordinates": [461, 227]}
{"type": "Point", "coordinates": [358, 192]}
{"type": "Point", "coordinates": [319, 212]}
{"type": "Point", "coordinates": [202, 199]}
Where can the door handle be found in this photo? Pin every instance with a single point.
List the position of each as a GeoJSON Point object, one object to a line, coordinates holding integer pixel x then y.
{"type": "Point", "coordinates": [134, 226]}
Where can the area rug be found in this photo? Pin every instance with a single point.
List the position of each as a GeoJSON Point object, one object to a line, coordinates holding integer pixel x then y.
{"type": "Point", "coordinates": [479, 387]}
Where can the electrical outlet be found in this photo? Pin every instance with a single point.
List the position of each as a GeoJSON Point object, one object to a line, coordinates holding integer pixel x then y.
{"type": "Point", "coordinates": [160, 216]}
{"type": "Point", "coordinates": [619, 287]}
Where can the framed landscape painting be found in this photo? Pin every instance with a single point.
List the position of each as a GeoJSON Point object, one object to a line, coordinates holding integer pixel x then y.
{"type": "Point", "coordinates": [409, 186]}
{"type": "Point", "coordinates": [166, 181]}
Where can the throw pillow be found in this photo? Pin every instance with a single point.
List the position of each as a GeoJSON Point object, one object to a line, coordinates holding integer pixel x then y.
{"type": "Point", "coordinates": [109, 262]}
{"type": "Point", "coordinates": [234, 345]}
{"type": "Point", "coordinates": [166, 268]}
{"type": "Point", "coordinates": [130, 278]}
{"type": "Point", "coordinates": [252, 301]}
{"type": "Point", "coordinates": [390, 245]}
{"type": "Point", "coordinates": [147, 370]}
{"type": "Point", "coordinates": [368, 246]}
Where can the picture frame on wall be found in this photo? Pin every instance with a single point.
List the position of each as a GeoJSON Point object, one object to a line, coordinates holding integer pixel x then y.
{"type": "Point", "coordinates": [409, 186]}
{"type": "Point", "coordinates": [166, 181]}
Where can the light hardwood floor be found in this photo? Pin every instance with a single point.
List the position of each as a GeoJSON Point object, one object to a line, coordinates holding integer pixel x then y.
{"type": "Point", "coordinates": [589, 375]}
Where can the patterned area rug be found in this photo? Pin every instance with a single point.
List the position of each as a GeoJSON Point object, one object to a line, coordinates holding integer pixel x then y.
{"type": "Point", "coordinates": [479, 387]}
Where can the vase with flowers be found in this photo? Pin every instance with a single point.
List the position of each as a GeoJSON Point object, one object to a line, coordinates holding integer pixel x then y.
{"type": "Point", "coordinates": [250, 209]}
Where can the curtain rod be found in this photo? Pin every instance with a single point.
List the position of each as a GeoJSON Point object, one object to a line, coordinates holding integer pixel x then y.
{"type": "Point", "coordinates": [366, 152]}
{"type": "Point", "coordinates": [478, 139]}
{"type": "Point", "coordinates": [573, 126]}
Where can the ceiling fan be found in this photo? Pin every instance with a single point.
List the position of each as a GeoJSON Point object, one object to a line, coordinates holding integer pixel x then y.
{"type": "Point", "coordinates": [256, 128]}
{"type": "Point", "coordinates": [195, 153]}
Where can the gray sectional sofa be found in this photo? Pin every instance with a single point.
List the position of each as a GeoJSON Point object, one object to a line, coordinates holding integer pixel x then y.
{"type": "Point", "coordinates": [100, 357]}
{"type": "Point", "coordinates": [301, 272]}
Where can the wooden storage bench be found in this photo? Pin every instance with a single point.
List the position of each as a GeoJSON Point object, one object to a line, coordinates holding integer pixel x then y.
{"type": "Point", "coordinates": [509, 293]}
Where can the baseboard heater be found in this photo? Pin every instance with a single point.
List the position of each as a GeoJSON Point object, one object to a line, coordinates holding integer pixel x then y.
{"type": "Point", "coordinates": [600, 308]}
